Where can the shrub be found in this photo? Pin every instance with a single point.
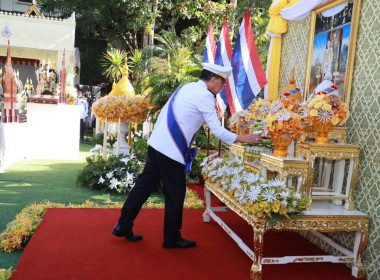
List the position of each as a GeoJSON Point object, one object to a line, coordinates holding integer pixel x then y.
{"type": "Point", "coordinates": [139, 146]}
{"type": "Point", "coordinates": [112, 173]}
{"type": "Point", "coordinates": [196, 168]}
{"type": "Point", "coordinates": [98, 139]}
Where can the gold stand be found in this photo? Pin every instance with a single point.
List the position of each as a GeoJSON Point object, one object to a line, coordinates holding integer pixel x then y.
{"type": "Point", "coordinates": [339, 134]}
{"type": "Point", "coordinates": [329, 153]}
{"type": "Point", "coordinates": [286, 167]}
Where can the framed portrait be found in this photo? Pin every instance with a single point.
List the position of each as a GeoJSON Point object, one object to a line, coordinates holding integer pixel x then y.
{"type": "Point", "coordinates": [332, 42]}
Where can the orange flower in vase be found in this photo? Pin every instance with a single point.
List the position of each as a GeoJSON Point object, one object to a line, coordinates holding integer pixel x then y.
{"type": "Point", "coordinates": [281, 127]}
{"type": "Point", "coordinates": [324, 112]}
{"type": "Point", "coordinates": [242, 122]}
{"type": "Point", "coordinates": [246, 121]}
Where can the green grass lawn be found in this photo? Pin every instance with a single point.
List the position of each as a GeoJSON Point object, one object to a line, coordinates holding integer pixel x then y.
{"type": "Point", "coordinates": [31, 180]}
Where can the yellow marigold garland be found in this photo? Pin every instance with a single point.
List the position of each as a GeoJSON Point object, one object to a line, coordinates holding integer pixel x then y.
{"type": "Point", "coordinates": [5, 274]}
{"type": "Point", "coordinates": [127, 108]}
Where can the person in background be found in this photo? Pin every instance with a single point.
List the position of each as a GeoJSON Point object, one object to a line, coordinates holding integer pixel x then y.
{"type": "Point", "coordinates": [93, 117]}
{"type": "Point", "coordinates": [170, 153]}
{"type": "Point", "coordinates": [81, 101]}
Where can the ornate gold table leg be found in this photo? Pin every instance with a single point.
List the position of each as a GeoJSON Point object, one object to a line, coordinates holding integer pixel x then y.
{"type": "Point", "coordinates": [258, 244]}
{"type": "Point", "coordinates": [361, 238]}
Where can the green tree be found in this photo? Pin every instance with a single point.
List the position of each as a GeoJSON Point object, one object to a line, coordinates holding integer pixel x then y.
{"type": "Point", "coordinates": [171, 65]}
{"type": "Point", "coordinates": [129, 25]}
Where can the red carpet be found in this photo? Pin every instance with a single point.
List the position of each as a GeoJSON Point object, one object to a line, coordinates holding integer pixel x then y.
{"type": "Point", "coordinates": [74, 244]}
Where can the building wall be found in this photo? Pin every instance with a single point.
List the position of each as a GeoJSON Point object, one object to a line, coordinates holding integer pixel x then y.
{"type": "Point", "coordinates": [35, 36]}
{"type": "Point", "coordinates": [363, 125]}
{"type": "Point", "coordinates": [14, 5]}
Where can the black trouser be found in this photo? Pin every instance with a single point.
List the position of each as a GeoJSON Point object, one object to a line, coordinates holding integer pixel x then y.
{"type": "Point", "coordinates": [171, 173]}
{"type": "Point", "coordinates": [81, 129]}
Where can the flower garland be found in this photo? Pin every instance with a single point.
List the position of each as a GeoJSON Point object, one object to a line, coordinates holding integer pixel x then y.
{"type": "Point", "coordinates": [258, 196]}
{"type": "Point", "coordinates": [126, 108]}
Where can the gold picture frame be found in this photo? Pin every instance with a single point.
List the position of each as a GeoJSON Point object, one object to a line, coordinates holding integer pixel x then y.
{"type": "Point", "coordinates": [332, 44]}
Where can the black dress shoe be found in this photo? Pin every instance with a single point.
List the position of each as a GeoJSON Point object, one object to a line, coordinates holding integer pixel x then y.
{"type": "Point", "coordinates": [180, 244]}
{"type": "Point", "coordinates": [130, 236]}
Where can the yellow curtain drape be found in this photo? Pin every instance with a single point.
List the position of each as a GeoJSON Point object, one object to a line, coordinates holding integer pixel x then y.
{"type": "Point", "coordinates": [274, 68]}
{"type": "Point", "coordinates": [278, 26]}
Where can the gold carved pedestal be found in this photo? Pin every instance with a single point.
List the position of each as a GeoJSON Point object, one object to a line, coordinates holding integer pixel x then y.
{"type": "Point", "coordinates": [287, 168]}
{"type": "Point", "coordinates": [338, 134]}
{"type": "Point", "coordinates": [331, 157]}
{"type": "Point", "coordinates": [238, 150]}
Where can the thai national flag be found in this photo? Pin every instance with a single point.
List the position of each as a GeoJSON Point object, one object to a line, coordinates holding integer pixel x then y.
{"type": "Point", "coordinates": [209, 56]}
{"type": "Point", "coordinates": [223, 57]}
{"type": "Point", "coordinates": [210, 50]}
{"type": "Point", "coordinates": [247, 71]}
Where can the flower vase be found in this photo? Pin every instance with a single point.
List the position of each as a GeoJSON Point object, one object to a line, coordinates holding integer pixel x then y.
{"type": "Point", "coordinates": [322, 129]}
{"type": "Point", "coordinates": [281, 145]}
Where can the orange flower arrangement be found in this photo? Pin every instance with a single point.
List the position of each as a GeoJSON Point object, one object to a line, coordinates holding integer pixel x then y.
{"type": "Point", "coordinates": [325, 108]}
{"type": "Point", "coordinates": [126, 108]}
{"type": "Point", "coordinates": [281, 126]}
{"type": "Point", "coordinates": [250, 119]}
{"type": "Point", "coordinates": [283, 123]}
{"type": "Point", "coordinates": [290, 103]}
{"type": "Point", "coordinates": [245, 121]}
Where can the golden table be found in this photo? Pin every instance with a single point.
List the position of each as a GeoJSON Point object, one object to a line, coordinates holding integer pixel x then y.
{"type": "Point", "coordinates": [329, 154]}
{"type": "Point", "coordinates": [325, 217]}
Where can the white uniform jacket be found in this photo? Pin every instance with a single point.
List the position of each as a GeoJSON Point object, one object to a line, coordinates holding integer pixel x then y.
{"type": "Point", "coordinates": [84, 107]}
{"type": "Point", "coordinates": [193, 105]}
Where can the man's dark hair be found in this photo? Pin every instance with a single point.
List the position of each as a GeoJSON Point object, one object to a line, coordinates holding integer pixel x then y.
{"type": "Point", "coordinates": [207, 75]}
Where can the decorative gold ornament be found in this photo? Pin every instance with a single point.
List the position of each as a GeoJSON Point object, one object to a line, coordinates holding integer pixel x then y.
{"type": "Point", "coordinates": [124, 86]}
{"type": "Point", "coordinates": [322, 130]}
{"type": "Point", "coordinates": [281, 145]}
{"type": "Point", "coordinates": [122, 103]}
{"type": "Point", "coordinates": [338, 133]}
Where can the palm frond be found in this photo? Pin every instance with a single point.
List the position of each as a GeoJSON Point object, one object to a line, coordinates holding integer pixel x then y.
{"type": "Point", "coordinates": [112, 62]}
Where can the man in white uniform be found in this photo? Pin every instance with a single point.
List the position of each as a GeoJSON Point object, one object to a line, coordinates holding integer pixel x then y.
{"type": "Point", "coordinates": [81, 101]}
{"type": "Point", "coordinates": [193, 104]}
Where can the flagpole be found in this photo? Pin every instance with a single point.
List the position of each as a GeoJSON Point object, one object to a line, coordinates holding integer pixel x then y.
{"type": "Point", "coordinates": [220, 141]}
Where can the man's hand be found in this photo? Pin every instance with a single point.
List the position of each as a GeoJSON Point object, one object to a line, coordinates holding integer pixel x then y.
{"type": "Point", "coordinates": [250, 138]}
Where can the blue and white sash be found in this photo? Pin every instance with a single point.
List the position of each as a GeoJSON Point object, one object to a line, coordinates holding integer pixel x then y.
{"type": "Point", "coordinates": [178, 136]}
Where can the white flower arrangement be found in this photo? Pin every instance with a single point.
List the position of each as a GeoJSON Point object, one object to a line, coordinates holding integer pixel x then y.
{"type": "Point", "coordinates": [114, 173]}
{"type": "Point", "coordinates": [260, 197]}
